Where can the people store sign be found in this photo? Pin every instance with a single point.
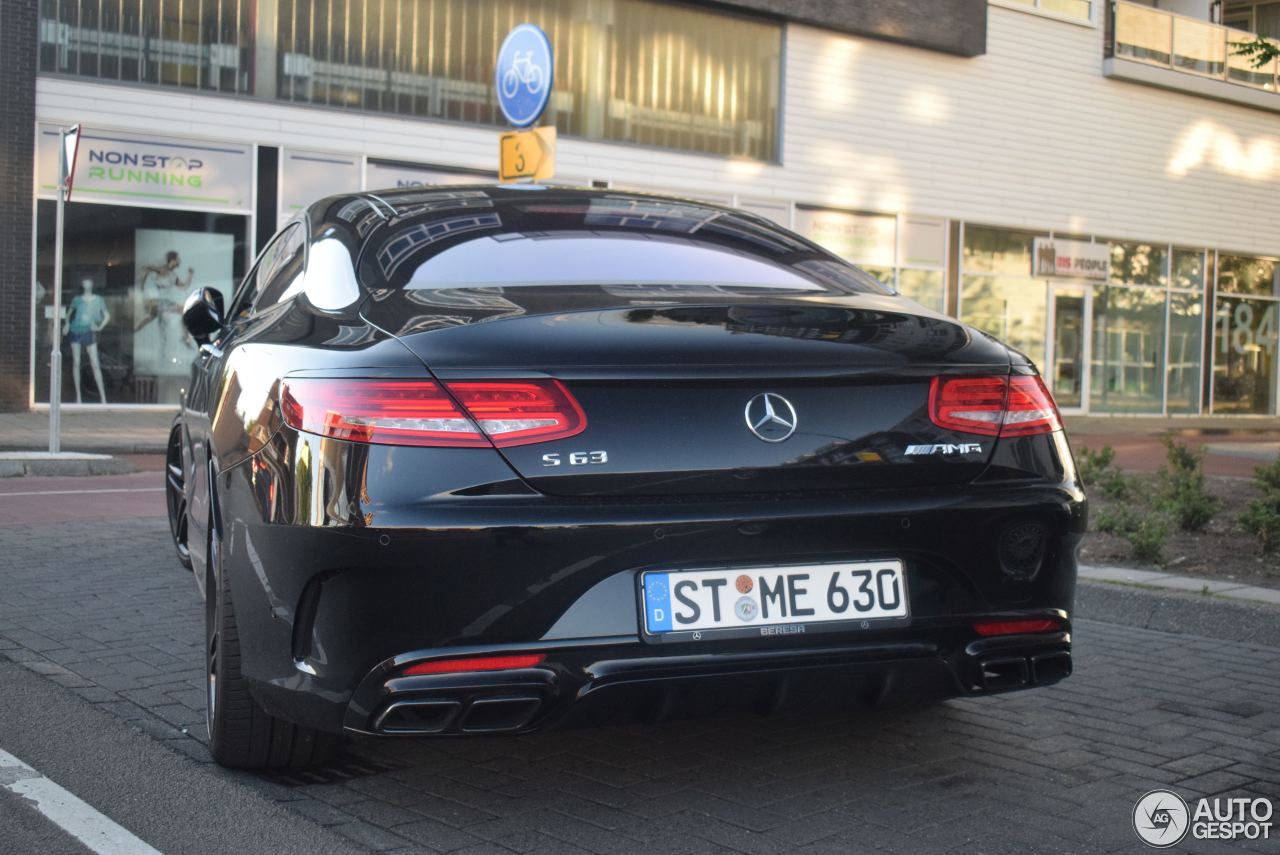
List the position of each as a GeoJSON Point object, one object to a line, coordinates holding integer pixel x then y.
{"type": "Point", "coordinates": [119, 167]}
{"type": "Point", "coordinates": [1070, 259]}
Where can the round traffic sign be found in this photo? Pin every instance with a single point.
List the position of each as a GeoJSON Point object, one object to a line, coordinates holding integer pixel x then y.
{"type": "Point", "coordinates": [523, 75]}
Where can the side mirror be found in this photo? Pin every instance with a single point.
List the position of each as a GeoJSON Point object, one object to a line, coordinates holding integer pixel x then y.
{"type": "Point", "coordinates": [202, 313]}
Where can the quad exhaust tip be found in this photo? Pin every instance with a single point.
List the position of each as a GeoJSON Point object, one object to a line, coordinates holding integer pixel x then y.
{"type": "Point", "coordinates": [1014, 672]}
{"type": "Point", "coordinates": [480, 714]}
{"type": "Point", "coordinates": [1050, 667]}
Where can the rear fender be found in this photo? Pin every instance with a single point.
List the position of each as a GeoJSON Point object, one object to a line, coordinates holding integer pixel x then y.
{"type": "Point", "coordinates": [213, 529]}
{"type": "Point", "coordinates": [199, 483]}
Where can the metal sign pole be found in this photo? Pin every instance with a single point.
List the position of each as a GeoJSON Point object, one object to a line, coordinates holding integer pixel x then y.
{"type": "Point", "coordinates": [70, 147]}
{"type": "Point", "coordinates": [55, 336]}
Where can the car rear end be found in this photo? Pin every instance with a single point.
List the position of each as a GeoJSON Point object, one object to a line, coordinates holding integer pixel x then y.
{"type": "Point", "coordinates": [588, 508]}
{"type": "Point", "coordinates": [464, 588]}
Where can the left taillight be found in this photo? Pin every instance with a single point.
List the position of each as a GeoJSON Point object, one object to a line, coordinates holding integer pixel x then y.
{"type": "Point", "coordinates": [470, 413]}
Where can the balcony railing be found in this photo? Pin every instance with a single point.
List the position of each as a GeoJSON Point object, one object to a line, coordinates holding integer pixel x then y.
{"type": "Point", "coordinates": [1188, 45]}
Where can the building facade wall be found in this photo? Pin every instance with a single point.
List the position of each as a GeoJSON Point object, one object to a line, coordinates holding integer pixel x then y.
{"type": "Point", "coordinates": [1030, 136]}
{"type": "Point", "coordinates": [953, 26]}
{"type": "Point", "coordinates": [17, 113]}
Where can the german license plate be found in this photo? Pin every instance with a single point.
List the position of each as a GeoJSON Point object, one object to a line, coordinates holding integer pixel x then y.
{"type": "Point", "coordinates": [762, 597]}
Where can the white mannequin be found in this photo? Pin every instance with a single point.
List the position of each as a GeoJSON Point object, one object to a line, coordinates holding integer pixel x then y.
{"type": "Point", "coordinates": [87, 317]}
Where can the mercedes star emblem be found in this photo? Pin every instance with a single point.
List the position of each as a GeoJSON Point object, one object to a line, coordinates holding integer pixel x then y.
{"type": "Point", "coordinates": [771, 417]}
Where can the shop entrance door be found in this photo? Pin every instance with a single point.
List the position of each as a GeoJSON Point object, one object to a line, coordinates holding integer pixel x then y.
{"type": "Point", "coordinates": [1070, 333]}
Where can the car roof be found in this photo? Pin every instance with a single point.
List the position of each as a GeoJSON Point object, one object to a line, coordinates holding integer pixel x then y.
{"type": "Point", "coordinates": [404, 202]}
{"type": "Point", "coordinates": [405, 195]}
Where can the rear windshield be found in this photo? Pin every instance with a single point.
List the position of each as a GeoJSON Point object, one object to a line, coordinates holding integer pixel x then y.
{"type": "Point", "coordinates": [479, 239]}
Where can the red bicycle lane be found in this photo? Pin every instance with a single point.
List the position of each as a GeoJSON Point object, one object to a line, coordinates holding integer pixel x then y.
{"type": "Point", "coordinates": [49, 500]}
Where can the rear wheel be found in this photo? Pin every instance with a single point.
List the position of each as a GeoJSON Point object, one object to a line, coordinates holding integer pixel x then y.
{"type": "Point", "coordinates": [175, 494]}
{"type": "Point", "coordinates": [241, 734]}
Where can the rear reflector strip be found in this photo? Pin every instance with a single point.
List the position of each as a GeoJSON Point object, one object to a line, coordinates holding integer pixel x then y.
{"type": "Point", "coordinates": [1016, 405]}
{"type": "Point", "coordinates": [480, 663]}
{"type": "Point", "coordinates": [469, 413]}
{"type": "Point", "coordinates": [1015, 627]}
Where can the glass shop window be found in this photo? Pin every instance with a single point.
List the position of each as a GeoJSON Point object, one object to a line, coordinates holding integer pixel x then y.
{"type": "Point", "coordinates": [126, 273]}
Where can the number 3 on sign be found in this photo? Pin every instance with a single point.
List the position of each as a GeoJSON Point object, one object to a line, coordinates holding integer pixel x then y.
{"type": "Point", "coordinates": [527, 154]}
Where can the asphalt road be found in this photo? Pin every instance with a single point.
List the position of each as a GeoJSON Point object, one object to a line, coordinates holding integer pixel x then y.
{"type": "Point", "coordinates": [101, 692]}
{"type": "Point", "coordinates": [24, 829]}
{"type": "Point", "coordinates": [159, 795]}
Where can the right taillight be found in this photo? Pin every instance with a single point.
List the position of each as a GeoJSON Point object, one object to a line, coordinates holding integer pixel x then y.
{"type": "Point", "coordinates": [1017, 405]}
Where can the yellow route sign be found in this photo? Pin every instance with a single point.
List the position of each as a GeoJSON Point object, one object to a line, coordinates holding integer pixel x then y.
{"type": "Point", "coordinates": [527, 155]}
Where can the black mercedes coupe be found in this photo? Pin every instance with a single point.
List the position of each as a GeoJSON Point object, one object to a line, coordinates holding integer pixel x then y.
{"type": "Point", "coordinates": [489, 459]}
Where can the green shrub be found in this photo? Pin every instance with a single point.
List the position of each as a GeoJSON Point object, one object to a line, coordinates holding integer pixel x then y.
{"type": "Point", "coordinates": [1261, 517]}
{"type": "Point", "coordinates": [1147, 538]}
{"type": "Point", "coordinates": [1115, 485]}
{"type": "Point", "coordinates": [1115, 519]}
{"type": "Point", "coordinates": [1096, 471]}
{"type": "Point", "coordinates": [1190, 506]}
{"type": "Point", "coordinates": [1181, 488]}
{"type": "Point", "coordinates": [1145, 532]}
{"type": "Point", "coordinates": [1092, 464]}
{"type": "Point", "coordinates": [1183, 459]}
{"type": "Point", "coordinates": [1267, 478]}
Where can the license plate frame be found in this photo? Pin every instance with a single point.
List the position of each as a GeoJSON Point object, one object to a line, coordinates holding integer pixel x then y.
{"type": "Point", "coordinates": [768, 627]}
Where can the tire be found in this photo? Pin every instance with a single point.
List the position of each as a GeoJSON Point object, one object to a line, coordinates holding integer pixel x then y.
{"type": "Point", "coordinates": [175, 494]}
{"type": "Point", "coordinates": [241, 734]}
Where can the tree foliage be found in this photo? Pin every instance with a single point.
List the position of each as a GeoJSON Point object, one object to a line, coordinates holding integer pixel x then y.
{"type": "Point", "coordinates": [1258, 50]}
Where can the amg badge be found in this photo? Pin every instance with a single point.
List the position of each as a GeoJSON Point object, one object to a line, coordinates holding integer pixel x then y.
{"type": "Point", "coordinates": [945, 448]}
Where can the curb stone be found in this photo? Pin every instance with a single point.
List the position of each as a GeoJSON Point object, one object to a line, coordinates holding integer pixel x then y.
{"type": "Point", "coordinates": [1158, 579]}
{"type": "Point", "coordinates": [18, 464]}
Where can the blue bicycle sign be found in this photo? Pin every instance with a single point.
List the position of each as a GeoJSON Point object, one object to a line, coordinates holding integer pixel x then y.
{"type": "Point", "coordinates": [524, 75]}
{"type": "Point", "coordinates": [522, 71]}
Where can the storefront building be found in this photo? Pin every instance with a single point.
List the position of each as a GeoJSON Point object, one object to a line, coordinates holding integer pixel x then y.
{"type": "Point", "coordinates": [1092, 182]}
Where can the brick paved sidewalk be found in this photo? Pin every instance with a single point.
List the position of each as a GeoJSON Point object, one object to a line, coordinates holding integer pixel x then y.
{"type": "Point", "coordinates": [104, 431]}
{"type": "Point", "coordinates": [102, 608]}
{"type": "Point", "coordinates": [1233, 446]}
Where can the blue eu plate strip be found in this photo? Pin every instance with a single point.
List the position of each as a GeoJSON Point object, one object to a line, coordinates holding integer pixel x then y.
{"type": "Point", "coordinates": [657, 602]}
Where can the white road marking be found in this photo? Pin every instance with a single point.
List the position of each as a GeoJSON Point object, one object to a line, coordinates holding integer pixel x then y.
{"type": "Point", "coordinates": [83, 492]}
{"type": "Point", "coordinates": [65, 810]}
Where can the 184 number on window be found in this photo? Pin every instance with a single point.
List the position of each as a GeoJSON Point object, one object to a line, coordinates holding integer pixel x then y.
{"type": "Point", "coordinates": [575, 458]}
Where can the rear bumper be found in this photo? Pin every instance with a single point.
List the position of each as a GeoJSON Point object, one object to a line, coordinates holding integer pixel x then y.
{"type": "Point", "coordinates": [626, 683]}
{"type": "Point", "coordinates": [343, 579]}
